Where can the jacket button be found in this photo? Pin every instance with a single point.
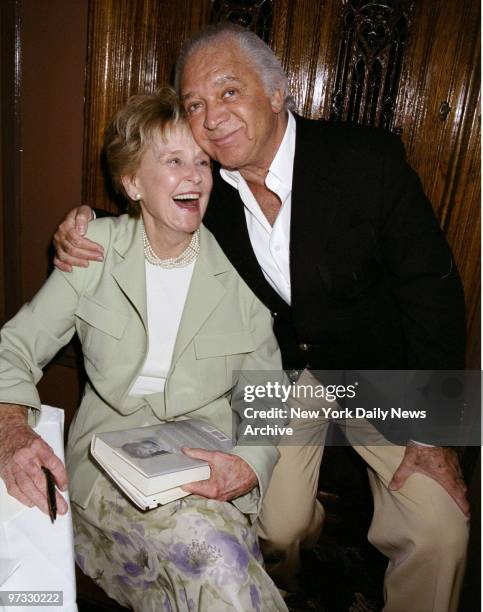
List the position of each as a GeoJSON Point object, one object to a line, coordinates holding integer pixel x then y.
{"type": "Point", "coordinates": [303, 346]}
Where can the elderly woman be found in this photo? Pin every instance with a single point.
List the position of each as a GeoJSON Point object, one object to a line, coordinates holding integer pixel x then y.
{"type": "Point", "coordinates": [163, 322]}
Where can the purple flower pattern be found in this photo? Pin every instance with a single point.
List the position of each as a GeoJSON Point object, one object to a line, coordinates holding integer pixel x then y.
{"type": "Point", "coordinates": [195, 555]}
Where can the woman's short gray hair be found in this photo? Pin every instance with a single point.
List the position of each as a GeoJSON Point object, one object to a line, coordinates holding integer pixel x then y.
{"type": "Point", "coordinates": [258, 54]}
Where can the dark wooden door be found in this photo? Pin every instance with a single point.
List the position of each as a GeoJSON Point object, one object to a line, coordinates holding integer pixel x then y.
{"type": "Point", "coordinates": [409, 66]}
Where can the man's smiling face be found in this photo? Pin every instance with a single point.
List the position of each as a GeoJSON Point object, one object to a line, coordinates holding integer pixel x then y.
{"type": "Point", "coordinates": [231, 115]}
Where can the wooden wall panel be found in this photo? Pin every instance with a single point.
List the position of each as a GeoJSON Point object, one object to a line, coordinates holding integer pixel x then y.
{"type": "Point", "coordinates": [303, 38]}
{"type": "Point", "coordinates": [464, 224]}
{"type": "Point", "coordinates": [442, 65]}
{"type": "Point", "coordinates": [132, 47]}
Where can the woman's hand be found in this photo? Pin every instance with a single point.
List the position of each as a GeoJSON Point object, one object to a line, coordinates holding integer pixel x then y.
{"type": "Point", "coordinates": [72, 249]}
{"type": "Point", "coordinates": [231, 476]}
{"type": "Point", "coordinates": [22, 455]}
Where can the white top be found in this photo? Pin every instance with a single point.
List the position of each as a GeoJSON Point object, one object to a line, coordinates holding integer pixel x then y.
{"type": "Point", "coordinates": [271, 244]}
{"type": "Point", "coordinates": [166, 292]}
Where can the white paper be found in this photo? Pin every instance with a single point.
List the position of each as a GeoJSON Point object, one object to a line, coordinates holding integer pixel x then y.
{"type": "Point", "coordinates": [9, 506]}
{"type": "Point", "coordinates": [46, 549]}
{"type": "Point", "coordinates": [7, 568]}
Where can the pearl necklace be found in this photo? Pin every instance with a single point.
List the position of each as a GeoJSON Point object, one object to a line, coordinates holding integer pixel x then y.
{"type": "Point", "coordinates": [183, 260]}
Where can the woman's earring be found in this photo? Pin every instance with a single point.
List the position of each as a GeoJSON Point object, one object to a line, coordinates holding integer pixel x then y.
{"type": "Point", "coordinates": [138, 197]}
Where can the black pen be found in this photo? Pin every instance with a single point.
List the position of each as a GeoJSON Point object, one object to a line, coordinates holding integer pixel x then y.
{"type": "Point", "coordinates": [51, 499]}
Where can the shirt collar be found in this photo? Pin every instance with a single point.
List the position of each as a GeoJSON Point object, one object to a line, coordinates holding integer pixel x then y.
{"type": "Point", "coordinates": [281, 168]}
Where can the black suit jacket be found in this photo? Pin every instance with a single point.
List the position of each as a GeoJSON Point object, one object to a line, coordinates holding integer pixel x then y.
{"type": "Point", "coordinates": [374, 284]}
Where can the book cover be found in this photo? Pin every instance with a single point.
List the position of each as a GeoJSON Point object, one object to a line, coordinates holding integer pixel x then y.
{"type": "Point", "coordinates": [150, 458]}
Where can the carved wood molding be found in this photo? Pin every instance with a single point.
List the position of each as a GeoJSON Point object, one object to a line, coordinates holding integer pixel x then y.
{"type": "Point", "coordinates": [371, 47]}
{"type": "Point", "coordinates": [257, 15]}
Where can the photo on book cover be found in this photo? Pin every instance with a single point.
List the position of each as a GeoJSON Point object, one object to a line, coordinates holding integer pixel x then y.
{"type": "Point", "coordinates": [144, 449]}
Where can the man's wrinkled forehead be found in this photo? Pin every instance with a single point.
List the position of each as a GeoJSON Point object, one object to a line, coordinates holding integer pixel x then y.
{"type": "Point", "coordinates": [190, 90]}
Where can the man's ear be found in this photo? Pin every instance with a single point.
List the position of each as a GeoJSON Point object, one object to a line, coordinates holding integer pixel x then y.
{"type": "Point", "coordinates": [129, 184]}
{"type": "Point", "coordinates": [276, 101]}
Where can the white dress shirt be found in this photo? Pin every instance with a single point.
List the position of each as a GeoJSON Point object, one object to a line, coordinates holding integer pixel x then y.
{"type": "Point", "coordinates": [271, 244]}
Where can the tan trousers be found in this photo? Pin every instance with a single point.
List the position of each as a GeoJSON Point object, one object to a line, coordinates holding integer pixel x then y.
{"type": "Point", "coordinates": [419, 528]}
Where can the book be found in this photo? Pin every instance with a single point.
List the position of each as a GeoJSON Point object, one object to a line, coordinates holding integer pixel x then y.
{"type": "Point", "coordinates": [147, 463]}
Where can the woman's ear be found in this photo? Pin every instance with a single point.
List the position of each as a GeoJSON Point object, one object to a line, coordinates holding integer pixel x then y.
{"type": "Point", "coordinates": [129, 184]}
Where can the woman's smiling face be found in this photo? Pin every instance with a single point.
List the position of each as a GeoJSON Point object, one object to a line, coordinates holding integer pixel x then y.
{"type": "Point", "coordinates": [174, 181]}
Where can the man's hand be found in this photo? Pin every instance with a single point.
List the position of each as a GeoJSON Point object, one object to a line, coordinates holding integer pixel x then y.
{"type": "Point", "coordinates": [72, 249]}
{"type": "Point", "coordinates": [22, 453]}
{"type": "Point", "coordinates": [440, 464]}
{"type": "Point", "coordinates": [231, 476]}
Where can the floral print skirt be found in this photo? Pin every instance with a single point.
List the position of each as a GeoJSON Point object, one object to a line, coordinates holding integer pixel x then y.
{"type": "Point", "coordinates": [194, 554]}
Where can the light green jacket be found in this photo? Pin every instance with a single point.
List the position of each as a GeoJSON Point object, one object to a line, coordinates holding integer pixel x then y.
{"type": "Point", "coordinates": [224, 327]}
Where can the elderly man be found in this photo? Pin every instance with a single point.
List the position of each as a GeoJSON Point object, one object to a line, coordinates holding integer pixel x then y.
{"type": "Point", "coordinates": [329, 227]}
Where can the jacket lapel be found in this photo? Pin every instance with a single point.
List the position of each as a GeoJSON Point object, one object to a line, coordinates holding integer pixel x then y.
{"type": "Point", "coordinates": [205, 291]}
{"type": "Point", "coordinates": [129, 270]}
{"type": "Point", "coordinates": [226, 219]}
{"type": "Point", "coordinates": [315, 200]}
